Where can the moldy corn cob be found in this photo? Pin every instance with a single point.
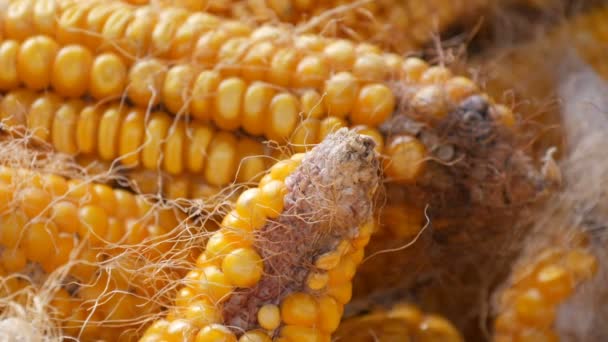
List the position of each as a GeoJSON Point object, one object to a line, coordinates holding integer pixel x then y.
{"type": "Point", "coordinates": [404, 322]}
{"type": "Point", "coordinates": [281, 265]}
{"type": "Point", "coordinates": [469, 182]}
{"type": "Point", "coordinates": [111, 254]}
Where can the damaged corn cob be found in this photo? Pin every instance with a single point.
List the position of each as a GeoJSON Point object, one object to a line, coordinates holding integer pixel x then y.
{"type": "Point", "coordinates": [404, 322]}
{"type": "Point", "coordinates": [466, 181]}
{"type": "Point", "coordinates": [96, 243]}
{"type": "Point", "coordinates": [283, 260]}
{"type": "Point", "coordinates": [134, 137]}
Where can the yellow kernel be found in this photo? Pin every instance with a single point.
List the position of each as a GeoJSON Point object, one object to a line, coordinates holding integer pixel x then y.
{"type": "Point", "coordinates": [341, 293]}
{"type": "Point", "coordinates": [176, 88]}
{"type": "Point", "coordinates": [301, 334]}
{"type": "Point", "coordinates": [255, 107]}
{"type": "Point", "coordinates": [405, 161]}
{"type": "Point", "coordinates": [435, 328]}
{"type": "Point", "coordinates": [310, 72]}
{"type": "Point", "coordinates": [35, 61]}
{"type": "Point", "coordinates": [243, 267]}
{"type": "Point", "coordinates": [9, 76]}
{"type": "Point", "coordinates": [341, 92]}
{"type": "Point", "coordinates": [436, 74]}
{"type": "Point", "coordinates": [459, 88]}
{"type": "Point", "coordinates": [108, 77]}
{"type": "Point", "coordinates": [554, 283]}
{"type": "Point", "coordinates": [532, 308]}
{"type": "Point", "coordinates": [299, 309]}
{"type": "Point", "coordinates": [430, 102]}
{"type": "Point", "coordinates": [312, 104]}
{"type": "Point", "coordinates": [215, 332]}
{"type": "Point", "coordinates": [328, 260]}
{"type": "Point", "coordinates": [413, 68]}
{"type": "Point", "coordinates": [282, 67]}
{"type": "Point", "coordinates": [340, 54]}
{"type": "Point", "coordinates": [249, 206]}
{"type": "Point", "coordinates": [34, 201]}
{"type": "Point", "coordinates": [39, 241]}
{"type": "Point", "coordinates": [317, 280]}
{"type": "Point", "coordinates": [255, 336]}
{"type": "Point", "coordinates": [93, 221]}
{"type": "Point", "coordinates": [374, 105]}
{"type": "Point", "coordinates": [269, 317]}
{"type": "Point", "coordinates": [145, 81]}
{"type": "Point", "coordinates": [228, 103]}
{"type": "Point", "coordinates": [71, 68]}
{"type": "Point", "coordinates": [272, 198]}
{"type": "Point", "coordinates": [221, 165]}
{"type": "Point", "coordinates": [201, 313]}
{"type": "Point", "coordinates": [370, 67]}
{"type": "Point", "coordinates": [203, 92]}
{"type": "Point", "coordinates": [13, 259]}
{"type": "Point", "coordinates": [282, 169]}
{"type": "Point", "coordinates": [65, 215]}
{"type": "Point", "coordinates": [330, 314]}
{"type": "Point", "coordinates": [284, 111]}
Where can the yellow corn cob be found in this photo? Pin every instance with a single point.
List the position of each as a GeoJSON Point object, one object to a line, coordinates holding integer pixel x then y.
{"type": "Point", "coordinates": [98, 243]}
{"type": "Point", "coordinates": [134, 137]}
{"type": "Point", "coordinates": [540, 283]}
{"type": "Point", "coordinates": [105, 26]}
{"type": "Point", "coordinates": [252, 279]}
{"type": "Point", "coordinates": [398, 25]}
{"type": "Point", "coordinates": [229, 102]}
{"type": "Point", "coordinates": [404, 322]}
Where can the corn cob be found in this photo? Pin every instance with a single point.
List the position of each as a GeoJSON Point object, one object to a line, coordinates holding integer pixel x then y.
{"type": "Point", "coordinates": [133, 137]}
{"type": "Point", "coordinates": [404, 322]}
{"type": "Point", "coordinates": [456, 172]}
{"type": "Point", "coordinates": [94, 241]}
{"type": "Point", "coordinates": [105, 26]}
{"type": "Point", "coordinates": [397, 25]}
{"type": "Point", "coordinates": [251, 280]}
{"type": "Point", "coordinates": [528, 306]}
{"type": "Point", "coordinates": [258, 108]}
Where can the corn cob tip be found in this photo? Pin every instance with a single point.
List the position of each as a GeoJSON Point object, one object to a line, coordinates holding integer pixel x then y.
{"type": "Point", "coordinates": [329, 197]}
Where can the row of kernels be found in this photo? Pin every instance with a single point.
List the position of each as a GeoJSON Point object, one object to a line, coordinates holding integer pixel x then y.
{"type": "Point", "coordinates": [115, 26]}
{"type": "Point", "coordinates": [259, 108]}
{"type": "Point", "coordinates": [134, 137]}
{"type": "Point", "coordinates": [228, 102]}
{"type": "Point", "coordinates": [52, 210]}
{"type": "Point", "coordinates": [403, 322]}
{"type": "Point", "coordinates": [529, 306]}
